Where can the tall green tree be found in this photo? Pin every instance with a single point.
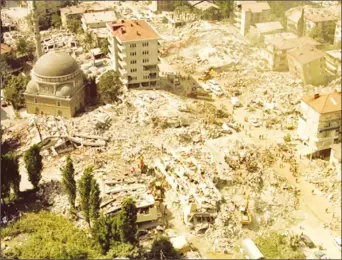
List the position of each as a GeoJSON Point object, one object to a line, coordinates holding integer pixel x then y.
{"type": "Point", "coordinates": [34, 165]}
{"type": "Point", "coordinates": [128, 221]}
{"type": "Point", "coordinates": [10, 177]}
{"type": "Point", "coordinates": [162, 248]}
{"type": "Point", "coordinates": [94, 200]}
{"type": "Point", "coordinates": [56, 20]}
{"type": "Point", "coordinates": [25, 47]}
{"type": "Point", "coordinates": [226, 8]}
{"type": "Point", "coordinates": [301, 24]}
{"type": "Point", "coordinates": [75, 25]}
{"type": "Point", "coordinates": [68, 180]}
{"type": "Point", "coordinates": [84, 189]}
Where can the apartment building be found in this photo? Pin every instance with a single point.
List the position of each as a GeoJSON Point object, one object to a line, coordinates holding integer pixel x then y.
{"type": "Point", "coordinates": [337, 37]}
{"type": "Point", "coordinates": [277, 48]}
{"type": "Point", "coordinates": [307, 63]}
{"type": "Point", "coordinates": [319, 124]}
{"type": "Point", "coordinates": [319, 20]}
{"type": "Point", "coordinates": [46, 6]}
{"type": "Point", "coordinates": [97, 20]}
{"type": "Point", "coordinates": [333, 63]}
{"type": "Point", "coordinates": [134, 52]}
{"type": "Point", "coordinates": [263, 29]}
{"type": "Point", "coordinates": [248, 13]}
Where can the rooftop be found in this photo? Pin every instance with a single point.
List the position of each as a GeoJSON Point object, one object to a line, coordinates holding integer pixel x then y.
{"type": "Point", "coordinates": [282, 35]}
{"type": "Point", "coordinates": [290, 43]}
{"type": "Point", "coordinates": [323, 104]}
{"type": "Point", "coordinates": [203, 5]}
{"type": "Point", "coordinates": [321, 18]}
{"type": "Point", "coordinates": [73, 10]}
{"type": "Point", "coordinates": [268, 27]}
{"type": "Point", "coordinates": [256, 7]}
{"type": "Point", "coordinates": [335, 53]}
{"type": "Point", "coordinates": [295, 16]}
{"type": "Point", "coordinates": [306, 53]}
{"type": "Point", "coordinates": [99, 17]}
{"type": "Point", "coordinates": [133, 30]}
{"type": "Point", "coordinates": [337, 149]}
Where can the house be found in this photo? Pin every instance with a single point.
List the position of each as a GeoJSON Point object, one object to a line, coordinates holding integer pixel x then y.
{"type": "Point", "coordinates": [248, 13]}
{"type": "Point", "coordinates": [263, 29]}
{"type": "Point", "coordinates": [319, 124]}
{"type": "Point", "coordinates": [70, 13]}
{"type": "Point", "coordinates": [307, 63]}
{"type": "Point", "coordinates": [283, 35]}
{"type": "Point", "coordinates": [277, 48]}
{"type": "Point", "coordinates": [333, 63]}
{"type": "Point", "coordinates": [337, 37]}
{"type": "Point", "coordinates": [96, 20]}
{"type": "Point", "coordinates": [335, 159]}
{"type": "Point", "coordinates": [322, 21]}
{"type": "Point", "coordinates": [293, 22]}
{"type": "Point", "coordinates": [133, 50]}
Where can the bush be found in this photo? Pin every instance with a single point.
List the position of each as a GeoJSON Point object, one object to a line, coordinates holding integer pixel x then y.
{"type": "Point", "coordinates": [49, 236]}
{"type": "Point", "coordinates": [287, 138]}
{"type": "Point", "coordinates": [109, 87]}
{"type": "Point", "coordinates": [276, 246]}
{"type": "Point", "coordinates": [14, 90]}
{"type": "Point", "coordinates": [162, 248]}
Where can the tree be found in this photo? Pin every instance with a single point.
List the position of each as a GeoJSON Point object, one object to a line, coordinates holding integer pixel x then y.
{"type": "Point", "coordinates": [34, 164]}
{"type": "Point", "coordinates": [14, 88]}
{"type": "Point", "coordinates": [126, 250]}
{"type": "Point", "coordinates": [25, 47]}
{"type": "Point", "coordinates": [109, 87]}
{"type": "Point", "coordinates": [162, 248]}
{"type": "Point", "coordinates": [103, 44]}
{"type": "Point", "coordinates": [69, 183]}
{"type": "Point", "coordinates": [301, 24]}
{"type": "Point", "coordinates": [74, 25]}
{"type": "Point", "coordinates": [84, 189]}
{"type": "Point", "coordinates": [10, 177]}
{"type": "Point", "coordinates": [56, 21]}
{"type": "Point", "coordinates": [225, 8]}
{"type": "Point", "coordinates": [317, 34]}
{"type": "Point", "coordinates": [94, 200]}
{"type": "Point", "coordinates": [127, 221]}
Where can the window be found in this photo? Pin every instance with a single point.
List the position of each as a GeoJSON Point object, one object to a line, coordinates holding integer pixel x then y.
{"type": "Point", "coordinates": [146, 76]}
{"type": "Point", "coordinates": [133, 61]}
{"type": "Point", "coordinates": [35, 100]}
{"type": "Point", "coordinates": [132, 45]}
{"type": "Point", "coordinates": [133, 53]}
{"type": "Point", "coordinates": [145, 52]}
{"type": "Point", "coordinates": [145, 60]}
{"type": "Point", "coordinates": [134, 78]}
{"type": "Point", "coordinates": [134, 70]}
{"type": "Point", "coordinates": [58, 103]}
{"type": "Point", "coordinates": [145, 44]}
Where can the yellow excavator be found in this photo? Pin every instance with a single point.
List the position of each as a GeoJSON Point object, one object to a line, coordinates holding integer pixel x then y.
{"type": "Point", "coordinates": [158, 189]}
{"type": "Point", "coordinates": [207, 75]}
{"type": "Point", "coordinates": [245, 217]}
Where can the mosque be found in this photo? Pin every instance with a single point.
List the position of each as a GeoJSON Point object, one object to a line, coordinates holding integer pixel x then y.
{"type": "Point", "coordinates": [56, 87]}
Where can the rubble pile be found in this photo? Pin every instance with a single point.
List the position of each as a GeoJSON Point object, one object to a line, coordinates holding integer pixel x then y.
{"type": "Point", "coordinates": [325, 180]}
{"type": "Point", "coordinates": [61, 40]}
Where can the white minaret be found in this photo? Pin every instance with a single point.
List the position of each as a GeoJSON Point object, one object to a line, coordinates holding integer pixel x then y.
{"type": "Point", "coordinates": [35, 17]}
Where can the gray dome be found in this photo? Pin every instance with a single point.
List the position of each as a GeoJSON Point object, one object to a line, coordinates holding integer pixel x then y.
{"type": "Point", "coordinates": [55, 64]}
{"type": "Point", "coordinates": [64, 91]}
{"type": "Point", "coordinates": [32, 87]}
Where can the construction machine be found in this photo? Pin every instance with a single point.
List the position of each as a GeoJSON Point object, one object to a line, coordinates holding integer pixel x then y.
{"type": "Point", "coordinates": [158, 189]}
{"type": "Point", "coordinates": [245, 217]}
{"type": "Point", "coordinates": [207, 75]}
{"type": "Point", "coordinates": [197, 91]}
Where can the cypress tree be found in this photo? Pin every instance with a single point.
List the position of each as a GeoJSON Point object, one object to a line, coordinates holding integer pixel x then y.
{"type": "Point", "coordinates": [34, 165]}
{"type": "Point", "coordinates": [10, 177]}
{"type": "Point", "coordinates": [69, 183]}
{"type": "Point", "coordinates": [84, 189]}
{"type": "Point", "coordinates": [94, 200]}
{"type": "Point", "coordinates": [127, 221]}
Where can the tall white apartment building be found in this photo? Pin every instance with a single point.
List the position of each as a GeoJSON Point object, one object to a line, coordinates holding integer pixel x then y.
{"type": "Point", "coordinates": [133, 49]}
{"type": "Point", "coordinates": [319, 124]}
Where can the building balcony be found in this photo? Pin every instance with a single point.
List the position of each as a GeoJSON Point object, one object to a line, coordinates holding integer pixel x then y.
{"type": "Point", "coordinates": [123, 72]}
{"type": "Point", "coordinates": [122, 55]}
{"type": "Point", "coordinates": [122, 63]}
{"type": "Point", "coordinates": [121, 47]}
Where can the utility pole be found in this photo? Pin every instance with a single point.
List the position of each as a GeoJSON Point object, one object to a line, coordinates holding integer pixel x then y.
{"type": "Point", "coordinates": [35, 18]}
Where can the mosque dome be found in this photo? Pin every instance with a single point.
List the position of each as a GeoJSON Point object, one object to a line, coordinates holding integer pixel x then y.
{"type": "Point", "coordinates": [55, 64]}
{"type": "Point", "coordinates": [32, 87]}
{"type": "Point", "coordinates": [64, 91]}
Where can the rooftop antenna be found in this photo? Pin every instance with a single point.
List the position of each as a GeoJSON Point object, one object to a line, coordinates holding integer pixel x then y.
{"type": "Point", "coordinates": [35, 18]}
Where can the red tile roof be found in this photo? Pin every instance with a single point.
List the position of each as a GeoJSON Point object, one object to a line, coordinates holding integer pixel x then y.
{"type": "Point", "coordinates": [324, 104]}
{"type": "Point", "coordinates": [133, 30]}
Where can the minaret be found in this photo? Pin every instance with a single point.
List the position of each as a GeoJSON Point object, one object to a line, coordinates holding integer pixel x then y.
{"type": "Point", "coordinates": [35, 18]}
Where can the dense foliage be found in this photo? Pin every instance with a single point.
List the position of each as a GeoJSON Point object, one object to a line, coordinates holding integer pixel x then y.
{"type": "Point", "coordinates": [10, 177]}
{"type": "Point", "coordinates": [162, 248]}
{"type": "Point", "coordinates": [48, 236]}
{"type": "Point", "coordinates": [34, 164]}
{"type": "Point", "coordinates": [14, 89]}
{"type": "Point", "coordinates": [109, 87]}
{"type": "Point", "coordinates": [75, 25]}
{"type": "Point", "coordinates": [128, 221]}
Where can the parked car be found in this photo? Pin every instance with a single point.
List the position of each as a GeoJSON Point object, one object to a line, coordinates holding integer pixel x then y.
{"type": "Point", "coordinates": [337, 242]}
{"type": "Point", "coordinates": [236, 102]}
